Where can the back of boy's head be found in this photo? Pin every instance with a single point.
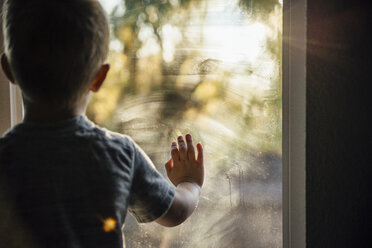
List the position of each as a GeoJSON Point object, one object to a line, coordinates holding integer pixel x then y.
{"type": "Point", "coordinates": [55, 48]}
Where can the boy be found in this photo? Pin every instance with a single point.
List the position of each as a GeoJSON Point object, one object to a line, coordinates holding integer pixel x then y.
{"type": "Point", "coordinates": [68, 181]}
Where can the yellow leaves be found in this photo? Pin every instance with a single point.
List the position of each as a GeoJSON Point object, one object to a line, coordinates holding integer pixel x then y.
{"type": "Point", "coordinates": [118, 61]}
{"type": "Point", "coordinates": [127, 36]}
{"type": "Point", "coordinates": [191, 113]}
{"type": "Point", "coordinates": [109, 225]}
{"type": "Point", "coordinates": [104, 102]}
{"type": "Point", "coordinates": [205, 91]}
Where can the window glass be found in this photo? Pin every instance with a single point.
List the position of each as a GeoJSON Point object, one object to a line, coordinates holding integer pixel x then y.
{"type": "Point", "coordinates": [211, 68]}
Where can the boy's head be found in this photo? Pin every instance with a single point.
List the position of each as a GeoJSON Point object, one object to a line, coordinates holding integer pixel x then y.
{"type": "Point", "coordinates": [54, 48]}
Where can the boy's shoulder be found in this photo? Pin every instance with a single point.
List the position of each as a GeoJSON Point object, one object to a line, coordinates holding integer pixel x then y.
{"type": "Point", "coordinates": [111, 137]}
{"type": "Point", "coordinates": [80, 128]}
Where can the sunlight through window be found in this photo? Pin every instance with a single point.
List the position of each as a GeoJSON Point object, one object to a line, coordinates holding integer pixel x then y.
{"type": "Point", "coordinates": [213, 69]}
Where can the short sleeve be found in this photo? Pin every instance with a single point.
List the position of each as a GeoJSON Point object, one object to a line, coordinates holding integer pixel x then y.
{"type": "Point", "coordinates": [151, 194]}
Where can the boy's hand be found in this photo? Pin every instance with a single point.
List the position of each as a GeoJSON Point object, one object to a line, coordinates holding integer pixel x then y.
{"type": "Point", "coordinates": [183, 165]}
{"type": "Point", "coordinates": [187, 173]}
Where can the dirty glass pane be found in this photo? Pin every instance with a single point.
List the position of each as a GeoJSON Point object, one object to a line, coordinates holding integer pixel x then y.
{"type": "Point", "coordinates": [211, 68]}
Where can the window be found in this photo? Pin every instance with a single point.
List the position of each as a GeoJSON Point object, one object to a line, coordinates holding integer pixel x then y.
{"type": "Point", "coordinates": [294, 100]}
{"type": "Point", "coordinates": [186, 75]}
{"type": "Point", "coordinates": [213, 69]}
{"type": "Point", "coordinates": [11, 107]}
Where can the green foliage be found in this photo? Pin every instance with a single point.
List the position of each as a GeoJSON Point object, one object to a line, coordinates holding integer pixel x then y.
{"type": "Point", "coordinates": [225, 107]}
{"type": "Point", "coordinates": [259, 8]}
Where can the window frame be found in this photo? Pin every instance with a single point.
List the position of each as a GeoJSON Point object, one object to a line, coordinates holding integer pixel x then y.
{"type": "Point", "coordinates": [16, 105]}
{"type": "Point", "coordinates": [294, 123]}
{"type": "Point", "coordinates": [294, 120]}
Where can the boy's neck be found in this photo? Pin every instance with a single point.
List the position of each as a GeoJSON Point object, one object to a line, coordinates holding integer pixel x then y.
{"type": "Point", "coordinates": [46, 113]}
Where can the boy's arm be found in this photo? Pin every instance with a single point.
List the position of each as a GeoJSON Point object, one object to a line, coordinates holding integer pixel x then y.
{"type": "Point", "coordinates": [185, 201]}
{"type": "Point", "coordinates": [187, 173]}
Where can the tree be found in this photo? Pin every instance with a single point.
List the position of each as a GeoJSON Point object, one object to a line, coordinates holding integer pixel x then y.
{"type": "Point", "coordinates": [158, 89]}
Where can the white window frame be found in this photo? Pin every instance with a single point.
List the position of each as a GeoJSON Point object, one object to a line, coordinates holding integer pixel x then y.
{"type": "Point", "coordinates": [294, 123]}
{"type": "Point", "coordinates": [16, 105]}
{"type": "Point", "coordinates": [294, 118]}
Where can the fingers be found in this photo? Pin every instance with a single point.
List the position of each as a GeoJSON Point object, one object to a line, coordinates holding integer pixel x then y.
{"type": "Point", "coordinates": [174, 152]}
{"type": "Point", "coordinates": [182, 148]}
{"type": "Point", "coordinates": [200, 159]}
{"type": "Point", "coordinates": [190, 148]}
{"type": "Point", "coordinates": [183, 152]}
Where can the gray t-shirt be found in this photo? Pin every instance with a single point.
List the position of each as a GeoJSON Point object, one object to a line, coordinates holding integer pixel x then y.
{"type": "Point", "coordinates": [66, 178]}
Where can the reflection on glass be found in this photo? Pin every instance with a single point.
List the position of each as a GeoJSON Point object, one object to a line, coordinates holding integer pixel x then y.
{"type": "Point", "coordinates": [211, 68]}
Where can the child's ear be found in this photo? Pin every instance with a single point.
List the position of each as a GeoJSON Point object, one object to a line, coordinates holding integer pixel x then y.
{"type": "Point", "coordinates": [100, 77]}
{"type": "Point", "coordinates": [6, 68]}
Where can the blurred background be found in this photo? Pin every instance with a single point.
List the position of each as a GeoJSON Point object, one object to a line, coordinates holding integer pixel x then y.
{"type": "Point", "coordinates": [211, 68]}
